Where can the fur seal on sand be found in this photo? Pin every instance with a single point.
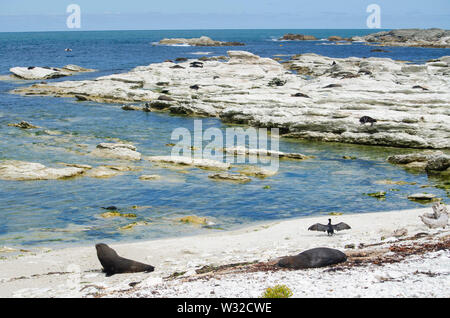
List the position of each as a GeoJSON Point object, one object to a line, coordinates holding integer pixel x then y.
{"type": "Point", "coordinates": [329, 228]}
{"type": "Point", "coordinates": [114, 264]}
{"type": "Point", "coordinates": [316, 257]}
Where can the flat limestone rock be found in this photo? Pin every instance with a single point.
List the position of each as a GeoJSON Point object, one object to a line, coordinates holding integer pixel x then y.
{"type": "Point", "coordinates": [421, 196]}
{"type": "Point", "coordinates": [41, 73]}
{"type": "Point", "coordinates": [116, 151]}
{"type": "Point", "coordinates": [230, 177]}
{"type": "Point", "coordinates": [255, 171]}
{"type": "Point", "coordinates": [187, 161]}
{"type": "Point", "coordinates": [149, 177]}
{"type": "Point", "coordinates": [264, 152]}
{"type": "Point", "coordinates": [102, 172]}
{"type": "Point", "coordinates": [26, 171]}
{"type": "Point", "coordinates": [236, 91]}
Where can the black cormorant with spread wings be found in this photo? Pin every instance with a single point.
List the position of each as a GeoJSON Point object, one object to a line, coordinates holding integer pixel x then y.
{"type": "Point", "coordinates": [329, 228]}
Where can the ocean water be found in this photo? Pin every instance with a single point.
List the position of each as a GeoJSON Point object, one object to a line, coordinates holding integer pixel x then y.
{"type": "Point", "coordinates": [67, 212]}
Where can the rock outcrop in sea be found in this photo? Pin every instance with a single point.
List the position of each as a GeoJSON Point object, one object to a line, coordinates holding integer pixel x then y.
{"type": "Point", "coordinates": [201, 41]}
{"type": "Point", "coordinates": [26, 171]}
{"type": "Point", "coordinates": [116, 151]}
{"type": "Point", "coordinates": [297, 37]}
{"type": "Point", "coordinates": [432, 38]}
{"type": "Point", "coordinates": [410, 102]}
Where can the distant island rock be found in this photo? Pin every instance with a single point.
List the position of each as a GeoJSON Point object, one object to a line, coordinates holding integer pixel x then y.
{"type": "Point", "coordinates": [201, 41]}
{"type": "Point", "coordinates": [297, 37]}
{"type": "Point", "coordinates": [431, 38]}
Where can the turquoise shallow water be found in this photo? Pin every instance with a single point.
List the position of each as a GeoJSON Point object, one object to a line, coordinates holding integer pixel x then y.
{"type": "Point", "coordinates": [63, 212]}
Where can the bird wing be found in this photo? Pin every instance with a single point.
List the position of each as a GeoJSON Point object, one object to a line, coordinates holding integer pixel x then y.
{"type": "Point", "coordinates": [318, 227]}
{"type": "Point", "coordinates": [341, 226]}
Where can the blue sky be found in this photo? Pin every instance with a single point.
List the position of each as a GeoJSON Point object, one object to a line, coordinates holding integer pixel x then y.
{"type": "Point", "coordinates": [50, 15]}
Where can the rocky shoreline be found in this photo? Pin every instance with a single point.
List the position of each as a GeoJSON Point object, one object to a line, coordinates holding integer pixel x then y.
{"type": "Point", "coordinates": [309, 97]}
{"type": "Point", "coordinates": [427, 38]}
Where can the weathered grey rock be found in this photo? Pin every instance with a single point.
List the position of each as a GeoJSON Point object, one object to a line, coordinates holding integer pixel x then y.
{"type": "Point", "coordinates": [23, 125]}
{"type": "Point", "coordinates": [335, 38]}
{"type": "Point", "coordinates": [414, 157]}
{"type": "Point", "coordinates": [438, 38]}
{"type": "Point", "coordinates": [438, 163]}
{"type": "Point", "coordinates": [297, 37]}
{"type": "Point", "coordinates": [132, 107]}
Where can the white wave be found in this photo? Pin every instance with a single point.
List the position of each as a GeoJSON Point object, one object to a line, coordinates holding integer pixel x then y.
{"type": "Point", "coordinates": [201, 53]}
{"type": "Point", "coordinates": [159, 44]}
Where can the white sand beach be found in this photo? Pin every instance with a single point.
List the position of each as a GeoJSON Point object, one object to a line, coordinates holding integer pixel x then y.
{"type": "Point", "coordinates": [75, 272]}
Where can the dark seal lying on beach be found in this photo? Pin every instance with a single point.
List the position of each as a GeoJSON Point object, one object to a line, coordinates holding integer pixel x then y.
{"type": "Point", "coordinates": [114, 264]}
{"type": "Point", "coordinates": [317, 257]}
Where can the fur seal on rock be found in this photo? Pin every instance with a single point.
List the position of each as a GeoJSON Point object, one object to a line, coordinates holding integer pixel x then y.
{"type": "Point", "coordinates": [196, 64]}
{"type": "Point", "coordinates": [366, 119]}
{"type": "Point", "coordinates": [300, 95]}
{"type": "Point", "coordinates": [333, 86]}
{"type": "Point", "coordinates": [316, 257]}
{"type": "Point", "coordinates": [114, 264]}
